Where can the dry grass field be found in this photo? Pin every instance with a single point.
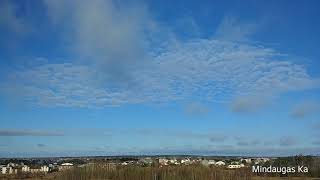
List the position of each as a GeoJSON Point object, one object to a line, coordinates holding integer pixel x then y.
{"type": "Point", "coordinates": [168, 173]}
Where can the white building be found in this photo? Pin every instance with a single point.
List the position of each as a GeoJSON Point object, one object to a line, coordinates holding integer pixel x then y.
{"type": "Point", "coordinates": [163, 161]}
{"type": "Point", "coordinates": [7, 170]}
{"type": "Point", "coordinates": [234, 166]}
{"type": "Point", "coordinates": [174, 161]}
{"type": "Point", "coordinates": [124, 164]}
{"type": "Point", "coordinates": [211, 162]}
{"type": "Point", "coordinates": [3, 170]}
{"type": "Point", "coordinates": [44, 169]}
{"type": "Point", "coordinates": [65, 166]}
{"type": "Point", "coordinates": [261, 160]}
{"type": "Point", "coordinates": [220, 163]}
{"type": "Point", "coordinates": [25, 168]}
{"type": "Point", "coordinates": [185, 161]}
{"type": "Point", "coordinates": [10, 164]}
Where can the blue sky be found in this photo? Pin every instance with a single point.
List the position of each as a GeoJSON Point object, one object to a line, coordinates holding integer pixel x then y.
{"type": "Point", "coordinates": [159, 77]}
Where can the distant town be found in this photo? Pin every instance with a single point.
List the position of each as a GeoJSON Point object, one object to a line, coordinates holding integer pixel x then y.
{"type": "Point", "coordinates": [52, 167]}
{"type": "Point", "coordinates": [48, 165]}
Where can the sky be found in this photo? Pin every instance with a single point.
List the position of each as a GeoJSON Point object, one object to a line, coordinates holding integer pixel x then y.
{"type": "Point", "coordinates": [80, 78]}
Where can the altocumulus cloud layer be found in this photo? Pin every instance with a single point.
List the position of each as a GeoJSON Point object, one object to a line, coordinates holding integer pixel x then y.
{"type": "Point", "coordinates": [210, 70]}
{"type": "Point", "coordinates": [121, 61]}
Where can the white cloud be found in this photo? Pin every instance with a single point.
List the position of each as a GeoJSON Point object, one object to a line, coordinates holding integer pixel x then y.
{"type": "Point", "coordinates": [305, 109]}
{"type": "Point", "coordinates": [231, 29]}
{"type": "Point", "coordinates": [248, 104]}
{"type": "Point", "coordinates": [106, 34]}
{"type": "Point", "coordinates": [119, 60]}
{"type": "Point", "coordinates": [205, 70]}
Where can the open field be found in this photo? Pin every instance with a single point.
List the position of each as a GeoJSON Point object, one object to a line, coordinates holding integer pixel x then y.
{"type": "Point", "coordinates": [168, 173]}
{"type": "Point", "coordinates": [154, 173]}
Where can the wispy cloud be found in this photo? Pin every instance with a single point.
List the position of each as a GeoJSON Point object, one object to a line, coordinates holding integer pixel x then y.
{"type": "Point", "coordinates": [305, 109]}
{"type": "Point", "coordinates": [218, 138]}
{"type": "Point", "coordinates": [231, 29]}
{"type": "Point", "coordinates": [16, 132]}
{"type": "Point", "coordinates": [178, 134]}
{"type": "Point", "coordinates": [248, 104]}
{"type": "Point", "coordinates": [248, 143]}
{"type": "Point", "coordinates": [288, 141]}
{"type": "Point", "coordinates": [116, 132]}
{"type": "Point", "coordinates": [41, 145]}
{"type": "Point", "coordinates": [197, 109]}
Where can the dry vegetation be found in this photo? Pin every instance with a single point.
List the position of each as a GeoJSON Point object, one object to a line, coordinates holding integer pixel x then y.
{"type": "Point", "coordinates": [192, 172]}
{"type": "Point", "coordinates": [157, 173]}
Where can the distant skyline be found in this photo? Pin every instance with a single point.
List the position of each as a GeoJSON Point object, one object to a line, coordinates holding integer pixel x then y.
{"type": "Point", "coordinates": [159, 77]}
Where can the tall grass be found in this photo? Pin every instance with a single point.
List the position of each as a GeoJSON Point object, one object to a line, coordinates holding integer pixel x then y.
{"type": "Point", "coordinates": [156, 173]}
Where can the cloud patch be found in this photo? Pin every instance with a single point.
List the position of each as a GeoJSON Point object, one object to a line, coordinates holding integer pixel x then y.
{"type": "Point", "coordinates": [248, 104]}
{"type": "Point", "coordinates": [287, 141]}
{"type": "Point", "coordinates": [41, 145]}
{"type": "Point", "coordinates": [231, 29]}
{"type": "Point", "coordinates": [116, 44]}
{"type": "Point", "coordinates": [16, 132]}
{"type": "Point", "coordinates": [248, 143]}
{"type": "Point", "coordinates": [197, 109]}
{"type": "Point", "coordinates": [305, 109]}
{"type": "Point", "coordinates": [180, 134]}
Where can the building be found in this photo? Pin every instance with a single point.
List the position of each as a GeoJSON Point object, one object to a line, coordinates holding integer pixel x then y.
{"type": "Point", "coordinates": [3, 170]}
{"type": "Point", "coordinates": [174, 161]}
{"type": "Point", "coordinates": [8, 170]}
{"type": "Point", "coordinates": [12, 164]}
{"type": "Point", "coordinates": [35, 170]}
{"type": "Point", "coordinates": [234, 166]}
{"type": "Point", "coordinates": [261, 160]}
{"type": "Point", "coordinates": [246, 160]}
{"type": "Point", "coordinates": [44, 169]}
{"type": "Point", "coordinates": [235, 162]}
{"type": "Point", "coordinates": [185, 161]}
{"type": "Point", "coordinates": [65, 166]}
{"type": "Point", "coordinates": [220, 163]}
{"type": "Point", "coordinates": [124, 164]}
{"type": "Point", "coordinates": [163, 161]}
{"type": "Point", "coordinates": [211, 162]}
{"type": "Point", "coordinates": [146, 161]}
{"type": "Point", "coordinates": [25, 168]}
